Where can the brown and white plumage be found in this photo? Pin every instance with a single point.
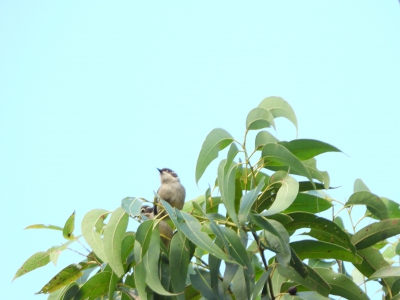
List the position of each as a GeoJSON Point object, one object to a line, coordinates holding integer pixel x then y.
{"type": "Point", "coordinates": [171, 189]}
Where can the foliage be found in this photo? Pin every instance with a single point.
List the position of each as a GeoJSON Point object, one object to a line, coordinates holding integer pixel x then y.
{"type": "Point", "coordinates": [237, 240]}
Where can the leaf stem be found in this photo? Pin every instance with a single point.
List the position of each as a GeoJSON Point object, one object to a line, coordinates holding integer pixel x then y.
{"type": "Point", "coordinates": [261, 250]}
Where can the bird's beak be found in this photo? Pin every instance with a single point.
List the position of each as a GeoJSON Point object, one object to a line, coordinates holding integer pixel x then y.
{"type": "Point", "coordinates": [159, 170]}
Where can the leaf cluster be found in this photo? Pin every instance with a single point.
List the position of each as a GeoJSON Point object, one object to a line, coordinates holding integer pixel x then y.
{"type": "Point", "coordinates": [237, 241]}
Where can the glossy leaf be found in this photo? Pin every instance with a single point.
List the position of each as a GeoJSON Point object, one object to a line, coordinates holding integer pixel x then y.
{"type": "Point", "coordinates": [385, 272]}
{"type": "Point", "coordinates": [69, 228]}
{"type": "Point", "coordinates": [372, 261]}
{"type": "Point", "coordinates": [331, 231]}
{"type": "Point", "coordinates": [259, 118]}
{"type": "Point", "coordinates": [305, 149]}
{"type": "Point", "coordinates": [113, 235]}
{"type": "Point", "coordinates": [308, 203]}
{"type": "Point", "coordinates": [67, 275]}
{"type": "Point", "coordinates": [375, 232]}
{"type": "Point", "coordinates": [279, 108]}
{"type": "Point", "coordinates": [342, 285]}
{"type": "Point", "coordinates": [191, 228]}
{"type": "Point", "coordinates": [247, 202]}
{"type": "Point", "coordinates": [96, 286]}
{"type": "Point", "coordinates": [128, 243]}
{"type": "Point", "coordinates": [305, 296]}
{"type": "Point", "coordinates": [226, 180]}
{"type": "Point", "coordinates": [277, 237]}
{"type": "Point", "coordinates": [373, 202]}
{"type": "Point", "coordinates": [313, 281]}
{"type": "Point", "coordinates": [179, 255]}
{"type": "Point", "coordinates": [285, 196]}
{"type": "Point", "coordinates": [238, 251]}
{"type": "Point", "coordinates": [240, 287]}
{"type": "Point", "coordinates": [66, 293]}
{"type": "Point", "coordinates": [321, 176]}
{"type": "Point", "coordinates": [323, 250]}
{"type": "Point", "coordinates": [37, 260]}
{"type": "Point", "coordinates": [150, 261]}
{"type": "Point", "coordinates": [92, 231]}
{"type": "Point", "coordinates": [277, 155]}
{"type": "Point", "coordinates": [42, 226]}
{"type": "Point", "coordinates": [263, 138]}
{"type": "Point", "coordinates": [142, 242]}
{"type": "Point", "coordinates": [360, 186]}
{"type": "Point", "coordinates": [201, 281]}
{"type": "Point", "coordinates": [392, 207]}
{"type": "Point", "coordinates": [216, 140]}
{"type": "Point", "coordinates": [132, 205]}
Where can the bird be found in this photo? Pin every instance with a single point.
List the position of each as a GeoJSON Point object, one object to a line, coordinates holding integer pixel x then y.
{"type": "Point", "coordinates": [165, 230]}
{"type": "Point", "coordinates": [171, 190]}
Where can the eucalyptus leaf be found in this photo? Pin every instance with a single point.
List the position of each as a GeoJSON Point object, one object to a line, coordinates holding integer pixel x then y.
{"type": "Point", "coordinates": [113, 235]}
{"type": "Point", "coordinates": [216, 140]}
{"type": "Point", "coordinates": [279, 108]}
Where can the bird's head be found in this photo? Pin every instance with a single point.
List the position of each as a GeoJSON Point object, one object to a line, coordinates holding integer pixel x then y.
{"type": "Point", "coordinates": [167, 175]}
{"type": "Point", "coordinates": [148, 211]}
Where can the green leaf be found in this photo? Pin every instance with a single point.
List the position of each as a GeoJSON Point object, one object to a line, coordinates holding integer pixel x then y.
{"type": "Point", "coordinates": [113, 235]}
{"type": "Point", "coordinates": [37, 260]}
{"type": "Point", "coordinates": [226, 180]}
{"type": "Point", "coordinates": [42, 226]}
{"type": "Point", "coordinates": [201, 281]}
{"type": "Point", "coordinates": [373, 202]}
{"type": "Point", "coordinates": [279, 108]}
{"type": "Point", "coordinates": [308, 203]}
{"type": "Point", "coordinates": [323, 250]}
{"type": "Point", "coordinates": [305, 186]}
{"type": "Point", "coordinates": [96, 286]}
{"type": "Point", "coordinates": [312, 262]}
{"type": "Point", "coordinates": [92, 230]}
{"type": "Point", "coordinates": [313, 281]}
{"type": "Point", "coordinates": [375, 232]}
{"type": "Point", "coordinates": [305, 296]}
{"type": "Point", "coordinates": [297, 264]}
{"type": "Point", "coordinates": [139, 269]}
{"type": "Point", "coordinates": [392, 207]}
{"type": "Point", "coordinates": [191, 293]}
{"type": "Point", "coordinates": [331, 232]}
{"type": "Point", "coordinates": [238, 251]}
{"type": "Point", "coordinates": [41, 259]}
{"type": "Point", "coordinates": [277, 155]}
{"type": "Point", "coordinates": [342, 285]}
{"type": "Point", "coordinates": [240, 289]}
{"type": "Point", "coordinates": [259, 118]}
{"type": "Point", "coordinates": [132, 205]}
{"type": "Point", "coordinates": [277, 237]}
{"type": "Point", "coordinates": [192, 229]}
{"type": "Point", "coordinates": [214, 265]}
{"type": "Point", "coordinates": [128, 243]}
{"type": "Point", "coordinates": [285, 196]}
{"type": "Point", "coordinates": [56, 250]}
{"type": "Point", "coordinates": [179, 255]}
{"type": "Point", "coordinates": [372, 261]}
{"type": "Point", "coordinates": [66, 276]}
{"type": "Point", "coordinates": [359, 186]}
{"type": "Point", "coordinates": [385, 272]}
{"type": "Point", "coordinates": [247, 202]}
{"type": "Point", "coordinates": [263, 138]}
{"type": "Point", "coordinates": [305, 149]}
{"type": "Point", "coordinates": [150, 261]}
{"type": "Point", "coordinates": [261, 282]}
{"type": "Point", "coordinates": [66, 293]}
{"type": "Point", "coordinates": [69, 228]}
{"type": "Point", "coordinates": [216, 140]}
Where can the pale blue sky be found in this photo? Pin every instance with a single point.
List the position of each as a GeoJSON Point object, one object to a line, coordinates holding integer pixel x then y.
{"type": "Point", "coordinates": [95, 96]}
